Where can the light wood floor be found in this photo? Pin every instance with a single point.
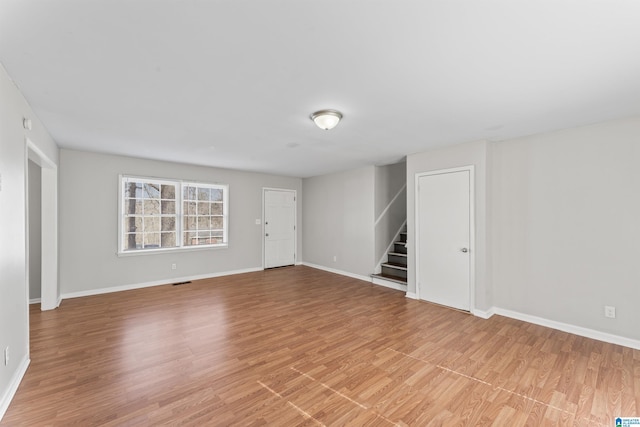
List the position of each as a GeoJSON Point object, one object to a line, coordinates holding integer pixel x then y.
{"type": "Point", "coordinates": [299, 346]}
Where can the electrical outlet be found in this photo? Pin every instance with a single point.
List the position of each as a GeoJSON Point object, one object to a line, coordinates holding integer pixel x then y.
{"type": "Point", "coordinates": [6, 356]}
{"type": "Point", "coordinates": [609, 311]}
{"type": "Point", "coordinates": [335, 258]}
{"type": "Point", "coordinates": [174, 266]}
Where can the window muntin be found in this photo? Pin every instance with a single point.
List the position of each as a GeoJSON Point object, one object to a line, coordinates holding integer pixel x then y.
{"type": "Point", "coordinates": [161, 214]}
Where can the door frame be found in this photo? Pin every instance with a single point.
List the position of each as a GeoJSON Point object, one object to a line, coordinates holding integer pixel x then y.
{"type": "Point", "coordinates": [50, 293]}
{"type": "Point", "coordinates": [472, 228]}
{"type": "Point", "coordinates": [295, 222]}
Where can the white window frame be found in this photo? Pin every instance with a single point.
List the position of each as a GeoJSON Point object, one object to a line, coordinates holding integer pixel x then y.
{"type": "Point", "coordinates": [179, 214]}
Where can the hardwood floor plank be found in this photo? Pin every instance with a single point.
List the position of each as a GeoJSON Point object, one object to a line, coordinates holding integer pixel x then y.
{"type": "Point", "coordinates": [302, 347]}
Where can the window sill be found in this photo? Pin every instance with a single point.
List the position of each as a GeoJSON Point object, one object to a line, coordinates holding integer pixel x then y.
{"type": "Point", "coordinates": [171, 250]}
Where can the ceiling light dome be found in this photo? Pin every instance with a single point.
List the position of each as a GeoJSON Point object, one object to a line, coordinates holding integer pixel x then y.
{"type": "Point", "coordinates": [326, 119]}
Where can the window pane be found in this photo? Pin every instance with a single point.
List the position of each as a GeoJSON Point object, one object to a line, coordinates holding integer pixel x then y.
{"type": "Point", "coordinates": [203, 208]}
{"type": "Point", "coordinates": [168, 240]}
{"type": "Point", "coordinates": [152, 207]}
{"type": "Point", "coordinates": [168, 223]}
{"type": "Point", "coordinates": [151, 223]}
{"type": "Point", "coordinates": [189, 193]}
{"type": "Point", "coordinates": [131, 224]}
{"type": "Point", "coordinates": [203, 223]}
{"type": "Point", "coordinates": [151, 191]}
{"type": "Point", "coordinates": [151, 240]}
{"type": "Point", "coordinates": [132, 241]}
{"type": "Point", "coordinates": [204, 194]}
{"type": "Point", "coordinates": [132, 189]}
{"type": "Point", "coordinates": [216, 209]}
{"type": "Point", "coordinates": [190, 208]}
{"type": "Point", "coordinates": [168, 207]}
{"type": "Point", "coordinates": [189, 239]}
{"type": "Point", "coordinates": [216, 194]}
{"type": "Point", "coordinates": [217, 222]}
{"type": "Point", "coordinates": [133, 206]}
{"type": "Point", "coordinates": [190, 222]}
{"type": "Point", "coordinates": [168, 191]}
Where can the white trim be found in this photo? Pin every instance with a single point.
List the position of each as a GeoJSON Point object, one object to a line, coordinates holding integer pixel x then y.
{"type": "Point", "coordinates": [140, 252]}
{"type": "Point", "coordinates": [384, 212]}
{"type": "Point", "coordinates": [50, 289]}
{"type": "Point", "coordinates": [179, 215]}
{"type": "Point", "coordinates": [154, 283]}
{"type": "Point", "coordinates": [411, 295]}
{"type": "Point", "coordinates": [379, 281]}
{"type": "Point", "coordinates": [572, 329]}
{"type": "Point", "coordinates": [472, 229]}
{"type": "Point", "coordinates": [13, 386]}
{"type": "Point", "coordinates": [484, 314]}
{"type": "Point", "coordinates": [35, 301]}
{"type": "Point", "coordinates": [342, 273]}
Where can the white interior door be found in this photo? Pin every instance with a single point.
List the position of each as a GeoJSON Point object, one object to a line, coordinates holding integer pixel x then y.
{"type": "Point", "coordinates": [279, 228]}
{"type": "Point", "coordinates": [443, 221]}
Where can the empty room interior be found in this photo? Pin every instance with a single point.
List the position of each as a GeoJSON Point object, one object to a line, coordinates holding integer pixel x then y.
{"type": "Point", "coordinates": [281, 213]}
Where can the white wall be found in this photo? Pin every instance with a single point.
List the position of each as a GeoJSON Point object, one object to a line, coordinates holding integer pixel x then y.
{"type": "Point", "coordinates": [35, 230]}
{"type": "Point", "coordinates": [338, 212]}
{"type": "Point", "coordinates": [89, 223]}
{"type": "Point", "coordinates": [567, 226]}
{"type": "Point", "coordinates": [389, 179]}
{"type": "Point", "coordinates": [14, 321]}
{"type": "Point", "coordinates": [474, 153]}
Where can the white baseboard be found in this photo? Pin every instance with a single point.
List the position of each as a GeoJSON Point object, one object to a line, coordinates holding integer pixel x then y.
{"type": "Point", "coordinates": [35, 301]}
{"type": "Point", "coordinates": [411, 295]}
{"type": "Point", "coordinates": [342, 273]}
{"type": "Point", "coordinates": [388, 284]}
{"type": "Point", "coordinates": [483, 314]}
{"type": "Point", "coordinates": [572, 329]}
{"type": "Point", "coordinates": [7, 397]}
{"type": "Point", "coordinates": [154, 283]}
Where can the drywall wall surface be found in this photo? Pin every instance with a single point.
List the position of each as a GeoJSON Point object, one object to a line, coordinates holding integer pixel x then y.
{"type": "Point", "coordinates": [389, 180]}
{"type": "Point", "coordinates": [338, 221]}
{"type": "Point", "coordinates": [35, 230]}
{"type": "Point", "coordinates": [473, 153]}
{"type": "Point", "coordinates": [89, 223]}
{"type": "Point", "coordinates": [566, 226]}
{"type": "Point", "coordinates": [14, 321]}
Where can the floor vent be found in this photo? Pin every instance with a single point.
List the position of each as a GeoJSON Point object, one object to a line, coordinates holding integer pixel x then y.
{"type": "Point", "coordinates": [181, 283]}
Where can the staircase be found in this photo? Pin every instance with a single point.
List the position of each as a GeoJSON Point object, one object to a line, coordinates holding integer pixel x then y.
{"type": "Point", "coordinates": [394, 271]}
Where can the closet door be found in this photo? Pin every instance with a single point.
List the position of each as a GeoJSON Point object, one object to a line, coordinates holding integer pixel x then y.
{"type": "Point", "coordinates": [443, 228]}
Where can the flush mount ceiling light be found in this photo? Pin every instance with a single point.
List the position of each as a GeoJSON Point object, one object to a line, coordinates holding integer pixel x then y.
{"type": "Point", "coordinates": [326, 119]}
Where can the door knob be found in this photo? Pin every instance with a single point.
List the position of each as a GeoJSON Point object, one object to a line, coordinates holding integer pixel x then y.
{"type": "Point", "coordinates": [465, 250]}
{"type": "Point", "coordinates": [267, 234]}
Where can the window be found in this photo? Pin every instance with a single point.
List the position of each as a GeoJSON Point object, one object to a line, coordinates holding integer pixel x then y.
{"type": "Point", "coordinates": [158, 214]}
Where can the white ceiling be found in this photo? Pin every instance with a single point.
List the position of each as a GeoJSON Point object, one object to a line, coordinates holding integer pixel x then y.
{"type": "Point", "coordinates": [232, 83]}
